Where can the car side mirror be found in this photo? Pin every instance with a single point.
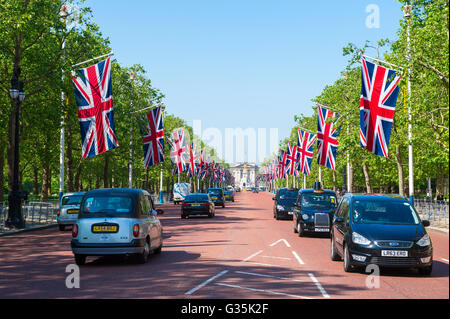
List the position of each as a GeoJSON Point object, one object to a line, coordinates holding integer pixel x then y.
{"type": "Point", "coordinates": [338, 220]}
{"type": "Point", "coordinates": [273, 198]}
{"type": "Point", "coordinates": [425, 223]}
{"type": "Point", "coordinates": [160, 211]}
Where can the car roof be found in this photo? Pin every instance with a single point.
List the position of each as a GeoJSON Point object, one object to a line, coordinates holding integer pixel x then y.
{"type": "Point", "coordinates": [74, 194]}
{"type": "Point", "coordinates": [357, 196]}
{"type": "Point", "coordinates": [121, 191]}
{"type": "Point", "coordinates": [310, 190]}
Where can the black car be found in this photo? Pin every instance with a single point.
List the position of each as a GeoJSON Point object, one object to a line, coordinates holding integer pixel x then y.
{"type": "Point", "coordinates": [384, 230]}
{"type": "Point", "coordinates": [284, 201]}
{"type": "Point", "coordinates": [229, 195]}
{"type": "Point", "coordinates": [197, 204]}
{"type": "Point", "coordinates": [255, 190]}
{"type": "Point", "coordinates": [218, 196]}
{"type": "Point", "coordinates": [314, 210]}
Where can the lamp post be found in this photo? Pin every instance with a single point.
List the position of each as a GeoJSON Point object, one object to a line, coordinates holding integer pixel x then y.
{"type": "Point", "coordinates": [15, 218]}
{"type": "Point", "coordinates": [130, 166]}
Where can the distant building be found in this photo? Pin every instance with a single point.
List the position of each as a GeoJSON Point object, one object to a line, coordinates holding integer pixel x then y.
{"type": "Point", "coordinates": [244, 174]}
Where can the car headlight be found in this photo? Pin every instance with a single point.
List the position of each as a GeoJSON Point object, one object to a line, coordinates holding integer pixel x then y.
{"type": "Point", "coordinates": [305, 216]}
{"type": "Point", "coordinates": [359, 239]}
{"type": "Point", "coordinates": [424, 241]}
{"type": "Point", "coordinates": [279, 207]}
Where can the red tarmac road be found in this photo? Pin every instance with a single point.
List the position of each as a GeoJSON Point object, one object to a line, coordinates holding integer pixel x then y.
{"type": "Point", "coordinates": [241, 253]}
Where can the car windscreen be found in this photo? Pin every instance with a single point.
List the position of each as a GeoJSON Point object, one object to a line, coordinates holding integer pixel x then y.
{"type": "Point", "coordinates": [318, 201]}
{"type": "Point", "coordinates": [107, 206]}
{"type": "Point", "coordinates": [71, 200]}
{"type": "Point", "coordinates": [215, 191]}
{"type": "Point", "coordinates": [196, 198]}
{"type": "Point", "coordinates": [287, 194]}
{"type": "Point", "coordinates": [384, 212]}
{"type": "Point", "coordinates": [228, 192]}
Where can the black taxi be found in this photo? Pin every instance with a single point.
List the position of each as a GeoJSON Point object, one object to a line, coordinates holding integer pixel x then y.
{"type": "Point", "coordinates": [314, 210]}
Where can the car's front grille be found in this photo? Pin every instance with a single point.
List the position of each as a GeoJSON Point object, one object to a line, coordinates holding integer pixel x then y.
{"type": "Point", "coordinates": [321, 220]}
{"type": "Point", "coordinates": [394, 244]}
{"type": "Point", "coordinates": [395, 261]}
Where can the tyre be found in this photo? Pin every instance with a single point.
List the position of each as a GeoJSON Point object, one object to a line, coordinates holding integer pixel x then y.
{"type": "Point", "coordinates": [143, 257]}
{"type": "Point", "coordinates": [334, 254]}
{"type": "Point", "coordinates": [80, 260]}
{"type": "Point", "coordinates": [183, 216]}
{"type": "Point", "coordinates": [157, 251]}
{"type": "Point", "coordinates": [425, 271]}
{"type": "Point", "coordinates": [210, 215]}
{"type": "Point", "coordinates": [223, 205]}
{"type": "Point", "coordinates": [300, 230]}
{"type": "Point", "coordinates": [347, 262]}
{"type": "Point", "coordinates": [277, 217]}
{"type": "Point", "coordinates": [62, 227]}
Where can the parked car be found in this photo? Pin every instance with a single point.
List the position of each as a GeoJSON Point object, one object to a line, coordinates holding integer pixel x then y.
{"type": "Point", "coordinates": [284, 201]}
{"type": "Point", "coordinates": [314, 210]}
{"type": "Point", "coordinates": [198, 204]}
{"type": "Point", "coordinates": [237, 189]}
{"type": "Point", "coordinates": [117, 222]}
{"type": "Point", "coordinates": [180, 191]}
{"type": "Point", "coordinates": [384, 230]}
{"type": "Point", "coordinates": [69, 206]}
{"type": "Point", "coordinates": [217, 195]}
{"type": "Point", "coordinates": [262, 188]}
{"type": "Point", "coordinates": [255, 189]}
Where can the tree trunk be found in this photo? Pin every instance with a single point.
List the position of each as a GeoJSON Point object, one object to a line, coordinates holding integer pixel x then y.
{"type": "Point", "coordinates": [105, 172]}
{"type": "Point", "coordinates": [45, 186]}
{"type": "Point", "coordinates": [35, 181]}
{"type": "Point", "coordinates": [350, 178]}
{"type": "Point", "coordinates": [440, 182]}
{"type": "Point", "coordinates": [2, 165]}
{"type": "Point", "coordinates": [49, 182]}
{"type": "Point", "coordinates": [398, 158]}
{"type": "Point", "coordinates": [78, 186]}
{"type": "Point", "coordinates": [367, 178]}
{"type": "Point", "coordinates": [334, 181]}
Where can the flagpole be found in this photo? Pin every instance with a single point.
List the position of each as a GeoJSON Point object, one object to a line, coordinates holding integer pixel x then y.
{"type": "Point", "coordinates": [93, 59]}
{"type": "Point", "coordinates": [407, 15]}
{"type": "Point", "coordinates": [130, 165]}
{"type": "Point", "coordinates": [63, 13]}
{"type": "Point", "coordinates": [304, 181]}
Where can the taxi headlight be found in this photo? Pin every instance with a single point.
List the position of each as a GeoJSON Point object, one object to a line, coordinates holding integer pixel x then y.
{"type": "Point", "coordinates": [279, 207]}
{"type": "Point", "coordinates": [305, 216]}
{"type": "Point", "coordinates": [359, 239]}
{"type": "Point", "coordinates": [424, 241]}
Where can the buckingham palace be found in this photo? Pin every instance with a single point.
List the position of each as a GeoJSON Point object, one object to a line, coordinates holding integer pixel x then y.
{"type": "Point", "coordinates": [244, 174]}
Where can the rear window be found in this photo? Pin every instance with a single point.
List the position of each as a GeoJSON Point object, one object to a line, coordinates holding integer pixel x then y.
{"type": "Point", "coordinates": [197, 198]}
{"type": "Point", "coordinates": [72, 200]}
{"type": "Point", "coordinates": [99, 206]}
{"type": "Point", "coordinates": [215, 191]}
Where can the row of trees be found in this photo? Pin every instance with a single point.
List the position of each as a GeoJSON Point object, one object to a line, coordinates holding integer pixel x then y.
{"type": "Point", "coordinates": [429, 100]}
{"type": "Point", "coordinates": [41, 44]}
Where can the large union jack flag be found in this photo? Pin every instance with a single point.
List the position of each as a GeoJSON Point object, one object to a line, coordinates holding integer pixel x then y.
{"type": "Point", "coordinates": [292, 160]}
{"type": "Point", "coordinates": [282, 159]}
{"type": "Point", "coordinates": [153, 140]}
{"type": "Point", "coordinates": [327, 142]}
{"type": "Point", "coordinates": [379, 92]}
{"type": "Point", "coordinates": [93, 94]}
{"type": "Point", "coordinates": [305, 146]}
{"type": "Point", "coordinates": [178, 152]}
{"type": "Point", "coordinates": [193, 159]}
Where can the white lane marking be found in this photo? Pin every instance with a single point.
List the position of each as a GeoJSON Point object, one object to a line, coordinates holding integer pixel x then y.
{"type": "Point", "coordinates": [277, 257]}
{"type": "Point", "coordinates": [261, 290]}
{"type": "Point", "coordinates": [298, 258]}
{"type": "Point", "coordinates": [190, 292]}
{"type": "Point", "coordinates": [319, 286]}
{"type": "Point", "coordinates": [270, 265]}
{"type": "Point", "coordinates": [251, 256]}
{"type": "Point", "coordinates": [446, 260]}
{"type": "Point", "coordinates": [268, 276]}
{"type": "Point", "coordinates": [283, 240]}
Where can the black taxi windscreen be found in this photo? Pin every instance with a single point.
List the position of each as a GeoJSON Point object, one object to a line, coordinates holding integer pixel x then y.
{"type": "Point", "coordinates": [318, 201]}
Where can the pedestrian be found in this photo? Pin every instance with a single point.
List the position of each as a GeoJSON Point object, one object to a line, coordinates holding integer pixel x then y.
{"type": "Point", "coordinates": [439, 196]}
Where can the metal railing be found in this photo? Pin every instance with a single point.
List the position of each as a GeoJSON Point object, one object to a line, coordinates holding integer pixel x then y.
{"type": "Point", "coordinates": [434, 211]}
{"type": "Point", "coordinates": [34, 213]}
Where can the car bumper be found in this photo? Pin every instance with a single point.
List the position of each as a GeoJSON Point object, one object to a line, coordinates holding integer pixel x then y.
{"type": "Point", "coordinates": [284, 214]}
{"type": "Point", "coordinates": [416, 258]}
{"type": "Point", "coordinates": [67, 221]}
{"type": "Point", "coordinates": [229, 198]}
{"type": "Point", "coordinates": [313, 228]}
{"type": "Point", "coordinates": [134, 247]}
{"type": "Point", "coordinates": [187, 212]}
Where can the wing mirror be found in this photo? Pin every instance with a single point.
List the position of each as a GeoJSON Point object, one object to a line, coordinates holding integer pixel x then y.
{"type": "Point", "coordinates": [425, 223]}
{"type": "Point", "coordinates": [273, 198]}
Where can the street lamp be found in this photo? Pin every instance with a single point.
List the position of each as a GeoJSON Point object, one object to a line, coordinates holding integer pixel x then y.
{"type": "Point", "coordinates": [15, 218]}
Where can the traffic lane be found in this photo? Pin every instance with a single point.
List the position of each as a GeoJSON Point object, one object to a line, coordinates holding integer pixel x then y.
{"type": "Point", "coordinates": [315, 251]}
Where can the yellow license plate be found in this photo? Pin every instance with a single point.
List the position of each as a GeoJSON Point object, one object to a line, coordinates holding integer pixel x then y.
{"type": "Point", "coordinates": [104, 229]}
{"type": "Point", "coordinates": [196, 205]}
{"type": "Point", "coordinates": [73, 211]}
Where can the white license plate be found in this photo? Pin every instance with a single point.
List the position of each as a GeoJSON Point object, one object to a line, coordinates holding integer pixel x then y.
{"type": "Point", "coordinates": [394, 253]}
{"type": "Point", "coordinates": [317, 229]}
{"type": "Point", "coordinates": [290, 213]}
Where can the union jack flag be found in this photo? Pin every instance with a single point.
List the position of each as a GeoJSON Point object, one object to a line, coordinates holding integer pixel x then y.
{"type": "Point", "coordinates": [178, 153]}
{"type": "Point", "coordinates": [192, 149]}
{"type": "Point", "coordinates": [282, 164]}
{"type": "Point", "coordinates": [327, 142]}
{"type": "Point", "coordinates": [292, 160]}
{"type": "Point", "coordinates": [379, 92]}
{"type": "Point", "coordinates": [305, 146]}
{"type": "Point", "coordinates": [154, 138]}
{"type": "Point", "coordinates": [93, 94]}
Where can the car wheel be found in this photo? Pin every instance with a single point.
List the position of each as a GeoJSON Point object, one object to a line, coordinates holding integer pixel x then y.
{"type": "Point", "coordinates": [295, 229]}
{"type": "Point", "coordinates": [300, 230]}
{"type": "Point", "coordinates": [80, 260]}
{"type": "Point", "coordinates": [183, 216]}
{"type": "Point", "coordinates": [210, 215]}
{"type": "Point", "coordinates": [157, 251]}
{"type": "Point", "coordinates": [426, 271]}
{"type": "Point", "coordinates": [277, 217]}
{"type": "Point", "coordinates": [223, 205]}
{"type": "Point", "coordinates": [62, 227]}
{"type": "Point", "coordinates": [347, 263]}
{"type": "Point", "coordinates": [142, 258]}
{"type": "Point", "coordinates": [334, 254]}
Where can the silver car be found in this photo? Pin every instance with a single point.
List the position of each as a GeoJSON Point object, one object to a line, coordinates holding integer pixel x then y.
{"type": "Point", "coordinates": [69, 207]}
{"type": "Point", "coordinates": [117, 222]}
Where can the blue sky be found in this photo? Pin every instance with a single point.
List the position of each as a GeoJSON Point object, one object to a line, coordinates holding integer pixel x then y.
{"type": "Point", "coordinates": [240, 63]}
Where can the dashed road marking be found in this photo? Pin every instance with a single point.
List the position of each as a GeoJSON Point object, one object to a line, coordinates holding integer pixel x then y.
{"type": "Point", "coordinates": [319, 286]}
{"type": "Point", "coordinates": [251, 256]}
{"type": "Point", "coordinates": [298, 258]}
